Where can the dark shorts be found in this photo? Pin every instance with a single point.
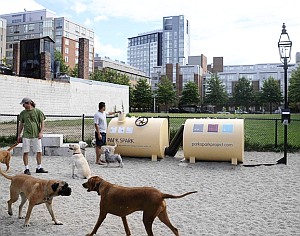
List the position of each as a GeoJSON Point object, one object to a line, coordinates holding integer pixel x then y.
{"type": "Point", "coordinates": [101, 142]}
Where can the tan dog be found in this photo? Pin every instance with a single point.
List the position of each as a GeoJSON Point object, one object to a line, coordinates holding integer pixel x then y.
{"type": "Point", "coordinates": [122, 201]}
{"type": "Point", "coordinates": [36, 191]}
{"type": "Point", "coordinates": [79, 162]}
{"type": "Point", "coordinates": [5, 156]}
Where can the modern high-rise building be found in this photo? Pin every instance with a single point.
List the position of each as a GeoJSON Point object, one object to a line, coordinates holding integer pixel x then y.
{"type": "Point", "coordinates": [42, 23]}
{"type": "Point", "coordinates": [145, 51]}
{"type": "Point", "coordinates": [170, 45]}
{"type": "Point", "coordinates": [2, 39]}
{"type": "Point", "coordinates": [176, 40]}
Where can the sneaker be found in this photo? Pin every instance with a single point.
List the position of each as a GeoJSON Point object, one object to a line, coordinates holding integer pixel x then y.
{"type": "Point", "coordinates": [27, 172]}
{"type": "Point", "coordinates": [41, 170]}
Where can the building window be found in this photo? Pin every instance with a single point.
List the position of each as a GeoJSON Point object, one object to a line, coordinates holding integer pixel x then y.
{"type": "Point", "coordinates": [66, 50]}
{"type": "Point", "coordinates": [31, 27]}
{"type": "Point", "coordinates": [67, 42]}
{"type": "Point", "coordinates": [66, 59]}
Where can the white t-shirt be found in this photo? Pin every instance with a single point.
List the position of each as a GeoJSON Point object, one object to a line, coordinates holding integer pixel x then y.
{"type": "Point", "coordinates": [100, 120]}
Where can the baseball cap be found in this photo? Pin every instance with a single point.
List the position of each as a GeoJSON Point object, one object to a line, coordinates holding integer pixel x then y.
{"type": "Point", "coordinates": [25, 100]}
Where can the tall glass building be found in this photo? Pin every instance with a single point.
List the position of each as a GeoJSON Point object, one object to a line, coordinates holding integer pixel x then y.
{"type": "Point", "coordinates": [145, 51]}
{"type": "Point", "coordinates": [170, 45]}
{"type": "Point", "coordinates": [176, 40]}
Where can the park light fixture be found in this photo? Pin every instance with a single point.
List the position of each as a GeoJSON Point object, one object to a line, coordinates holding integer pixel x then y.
{"type": "Point", "coordinates": [284, 45]}
{"type": "Point", "coordinates": [285, 48]}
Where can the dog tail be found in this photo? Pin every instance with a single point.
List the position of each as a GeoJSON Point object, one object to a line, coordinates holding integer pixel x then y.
{"type": "Point", "coordinates": [5, 175]}
{"type": "Point", "coordinates": [165, 195]}
{"type": "Point", "coordinates": [115, 144]}
{"type": "Point", "coordinates": [12, 147]}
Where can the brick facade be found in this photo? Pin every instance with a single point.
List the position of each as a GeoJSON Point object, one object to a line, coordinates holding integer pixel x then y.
{"type": "Point", "coordinates": [45, 65]}
{"type": "Point", "coordinates": [16, 58]}
{"type": "Point", "coordinates": [83, 60]}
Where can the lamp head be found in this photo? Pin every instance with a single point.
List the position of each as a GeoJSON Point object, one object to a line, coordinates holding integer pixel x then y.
{"type": "Point", "coordinates": [284, 45]}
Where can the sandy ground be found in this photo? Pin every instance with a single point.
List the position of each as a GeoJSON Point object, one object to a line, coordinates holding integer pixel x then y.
{"type": "Point", "coordinates": [231, 200]}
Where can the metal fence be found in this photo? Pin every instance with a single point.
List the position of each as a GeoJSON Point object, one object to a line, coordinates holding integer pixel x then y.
{"type": "Point", "coordinates": [260, 134]}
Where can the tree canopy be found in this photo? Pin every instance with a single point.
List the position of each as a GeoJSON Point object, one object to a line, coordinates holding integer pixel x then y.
{"type": "Point", "coordinates": [142, 95]}
{"type": "Point", "coordinates": [215, 94]}
{"type": "Point", "coordinates": [294, 89]}
{"type": "Point", "coordinates": [243, 93]}
{"type": "Point", "coordinates": [270, 92]}
{"type": "Point", "coordinates": [190, 94]}
{"type": "Point", "coordinates": [64, 68]}
{"type": "Point", "coordinates": [165, 93]}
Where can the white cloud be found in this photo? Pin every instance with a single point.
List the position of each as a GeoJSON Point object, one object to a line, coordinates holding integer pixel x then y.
{"type": "Point", "coordinates": [107, 50]}
{"type": "Point", "coordinates": [87, 22]}
{"type": "Point", "coordinates": [15, 6]}
{"type": "Point", "coordinates": [78, 7]}
{"type": "Point", "coordinates": [100, 18]}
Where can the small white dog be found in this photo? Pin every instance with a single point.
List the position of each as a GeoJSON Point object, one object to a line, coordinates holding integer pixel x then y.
{"type": "Point", "coordinates": [111, 157]}
{"type": "Point", "coordinates": [83, 145]}
{"type": "Point", "coordinates": [79, 161]}
{"type": "Point", "coordinates": [110, 148]}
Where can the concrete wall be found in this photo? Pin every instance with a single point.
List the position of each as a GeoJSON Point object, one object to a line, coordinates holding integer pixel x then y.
{"type": "Point", "coordinates": [57, 98]}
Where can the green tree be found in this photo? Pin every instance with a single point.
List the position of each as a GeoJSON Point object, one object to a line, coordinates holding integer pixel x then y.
{"type": "Point", "coordinates": [142, 95]}
{"type": "Point", "coordinates": [110, 76]}
{"type": "Point", "coordinates": [64, 68]}
{"type": "Point", "coordinates": [190, 94]}
{"type": "Point", "coordinates": [243, 93]}
{"type": "Point", "coordinates": [215, 94]}
{"type": "Point", "coordinates": [294, 89]}
{"type": "Point", "coordinates": [97, 75]}
{"type": "Point", "coordinates": [165, 93]}
{"type": "Point", "coordinates": [270, 92]}
{"type": "Point", "coordinates": [74, 71]}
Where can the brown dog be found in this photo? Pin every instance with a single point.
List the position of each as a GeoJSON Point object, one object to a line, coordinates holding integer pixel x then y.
{"type": "Point", "coordinates": [35, 190]}
{"type": "Point", "coordinates": [122, 201]}
{"type": "Point", "coordinates": [5, 156]}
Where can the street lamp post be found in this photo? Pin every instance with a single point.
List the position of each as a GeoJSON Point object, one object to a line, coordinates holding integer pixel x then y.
{"type": "Point", "coordinates": [285, 46]}
{"type": "Point", "coordinates": [154, 103]}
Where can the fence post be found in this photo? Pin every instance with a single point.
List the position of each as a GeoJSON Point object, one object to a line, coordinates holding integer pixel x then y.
{"type": "Point", "coordinates": [82, 128]}
{"type": "Point", "coordinates": [276, 133]}
{"type": "Point", "coordinates": [18, 121]}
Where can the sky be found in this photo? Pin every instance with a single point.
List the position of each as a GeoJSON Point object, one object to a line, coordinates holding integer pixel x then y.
{"type": "Point", "coordinates": [240, 31]}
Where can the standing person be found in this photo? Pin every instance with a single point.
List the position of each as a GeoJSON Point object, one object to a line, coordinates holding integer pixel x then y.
{"type": "Point", "coordinates": [100, 130]}
{"type": "Point", "coordinates": [32, 125]}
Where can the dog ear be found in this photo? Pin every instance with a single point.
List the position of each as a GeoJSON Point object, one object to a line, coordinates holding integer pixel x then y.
{"type": "Point", "coordinates": [97, 188]}
{"type": "Point", "coordinates": [54, 186]}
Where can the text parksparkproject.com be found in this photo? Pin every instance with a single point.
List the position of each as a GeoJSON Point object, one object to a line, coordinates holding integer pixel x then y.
{"type": "Point", "coordinates": [211, 144]}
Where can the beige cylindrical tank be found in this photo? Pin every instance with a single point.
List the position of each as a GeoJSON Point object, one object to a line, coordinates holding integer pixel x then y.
{"type": "Point", "coordinates": [139, 137]}
{"type": "Point", "coordinates": [214, 140]}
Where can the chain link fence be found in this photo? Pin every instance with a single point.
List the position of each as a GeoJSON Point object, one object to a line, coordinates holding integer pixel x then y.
{"type": "Point", "coordinates": [260, 134]}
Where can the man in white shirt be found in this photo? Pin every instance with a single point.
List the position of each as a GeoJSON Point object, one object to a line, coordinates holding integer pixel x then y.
{"type": "Point", "coordinates": [100, 130]}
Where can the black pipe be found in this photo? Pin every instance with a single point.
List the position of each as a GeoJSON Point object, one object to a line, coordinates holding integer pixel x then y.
{"type": "Point", "coordinates": [175, 143]}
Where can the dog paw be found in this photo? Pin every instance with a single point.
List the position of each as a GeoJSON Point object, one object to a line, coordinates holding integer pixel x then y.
{"type": "Point", "coordinates": [10, 213]}
{"type": "Point", "coordinates": [21, 217]}
{"type": "Point", "coordinates": [26, 224]}
{"type": "Point", "coordinates": [58, 223]}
